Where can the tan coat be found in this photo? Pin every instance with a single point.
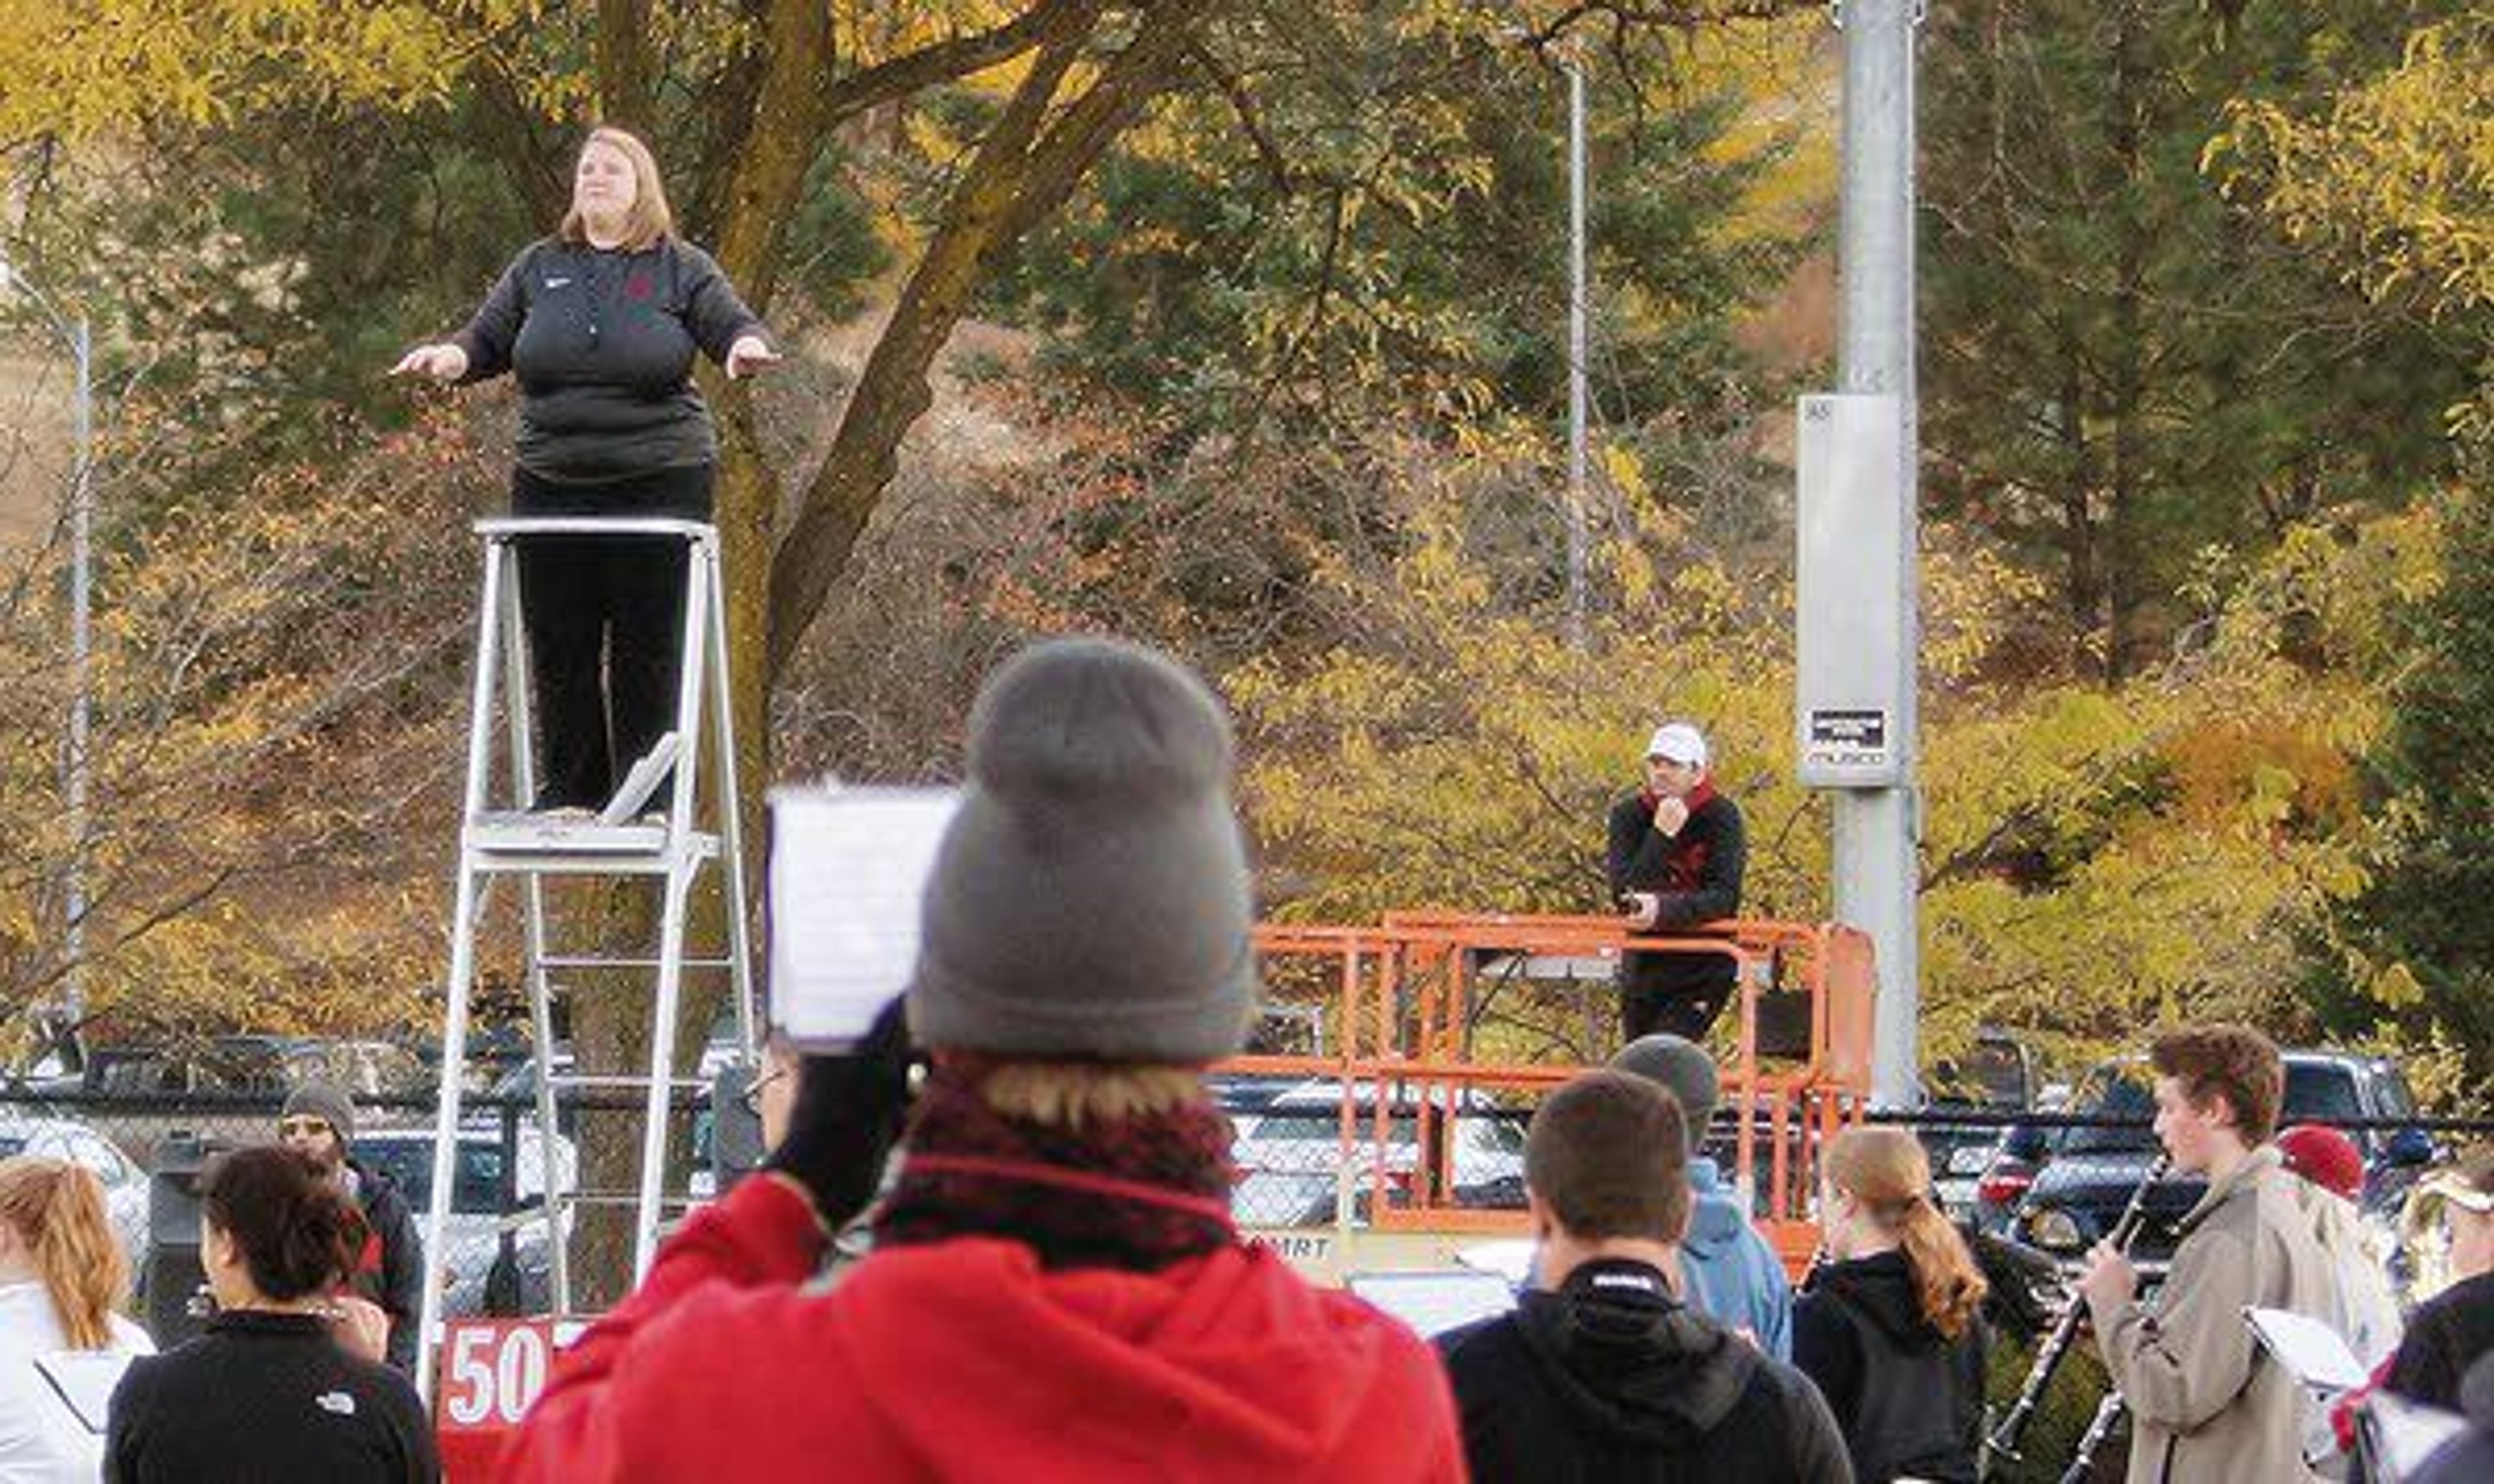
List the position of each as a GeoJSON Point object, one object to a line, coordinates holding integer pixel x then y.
{"type": "Point", "coordinates": [2206, 1406]}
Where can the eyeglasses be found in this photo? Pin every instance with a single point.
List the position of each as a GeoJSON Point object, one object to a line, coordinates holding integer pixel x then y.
{"type": "Point", "coordinates": [751, 1097]}
{"type": "Point", "coordinates": [309, 1128]}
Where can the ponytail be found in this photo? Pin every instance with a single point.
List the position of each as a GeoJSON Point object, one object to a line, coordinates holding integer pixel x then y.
{"type": "Point", "coordinates": [1886, 1171]}
{"type": "Point", "coordinates": [58, 1210]}
{"type": "Point", "coordinates": [1945, 1275]}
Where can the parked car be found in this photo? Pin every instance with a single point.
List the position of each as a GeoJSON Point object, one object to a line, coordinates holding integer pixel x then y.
{"type": "Point", "coordinates": [486, 1195]}
{"type": "Point", "coordinates": [362, 1069]}
{"type": "Point", "coordinates": [2062, 1190]}
{"type": "Point", "coordinates": [1244, 1094]}
{"type": "Point", "coordinates": [223, 1064]}
{"type": "Point", "coordinates": [1997, 1075]}
{"type": "Point", "coordinates": [125, 1184]}
{"type": "Point", "coordinates": [1290, 1154]}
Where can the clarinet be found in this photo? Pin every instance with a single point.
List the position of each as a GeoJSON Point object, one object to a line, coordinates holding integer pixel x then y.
{"type": "Point", "coordinates": [2003, 1443]}
{"type": "Point", "coordinates": [2082, 1463]}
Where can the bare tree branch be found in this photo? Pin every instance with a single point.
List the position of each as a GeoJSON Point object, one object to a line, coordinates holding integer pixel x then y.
{"type": "Point", "coordinates": [913, 72]}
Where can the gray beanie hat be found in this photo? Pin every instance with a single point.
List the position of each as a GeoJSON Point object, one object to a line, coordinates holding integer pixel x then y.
{"type": "Point", "coordinates": [1680, 1068]}
{"type": "Point", "coordinates": [1091, 898]}
{"type": "Point", "coordinates": [321, 1100]}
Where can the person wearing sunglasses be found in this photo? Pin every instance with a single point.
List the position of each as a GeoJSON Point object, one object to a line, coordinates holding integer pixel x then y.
{"type": "Point", "coordinates": [388, 1272]}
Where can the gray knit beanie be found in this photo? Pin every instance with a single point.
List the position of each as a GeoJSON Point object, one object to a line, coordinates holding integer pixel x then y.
{"type": "Point", "coordinates": [1680, 1068]}
{"type": "Point", "coordinates": [1091, 898]}
{"type": "Point", "coordinates": [321, 1100]}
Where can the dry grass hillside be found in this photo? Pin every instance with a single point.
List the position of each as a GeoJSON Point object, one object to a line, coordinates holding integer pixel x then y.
{"type": "Point", "coordinates": [34, 444]}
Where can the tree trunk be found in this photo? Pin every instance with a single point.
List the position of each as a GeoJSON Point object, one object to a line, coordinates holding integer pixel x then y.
{"type": "Point", "coordinates": [1016, 177]}
{"type": "Point", "coordinates": [628, 85]}
{"type": "Point", "coordinates": [611, 1021]}
{"type": "Point", "coordinates": [2129, 357]}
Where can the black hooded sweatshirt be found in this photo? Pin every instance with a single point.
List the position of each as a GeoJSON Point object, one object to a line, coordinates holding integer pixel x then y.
{"type": "Point", "coordinates": [1908, 1399]}
{"type": "Point", "coordinates": [1610, 1381]}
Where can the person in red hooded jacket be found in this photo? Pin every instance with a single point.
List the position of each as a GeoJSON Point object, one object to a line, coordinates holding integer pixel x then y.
{"type": "Point", "coordinates": [1056, 1290]}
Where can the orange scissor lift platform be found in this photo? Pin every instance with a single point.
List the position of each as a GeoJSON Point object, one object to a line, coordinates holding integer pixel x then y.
{"type": "Point", "coordinates": [1407, 1044]}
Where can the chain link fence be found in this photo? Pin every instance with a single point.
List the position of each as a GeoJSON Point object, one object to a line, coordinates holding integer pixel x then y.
{"type": "Point", "coordinates": [1295, 1169]}
{"type": "Point", "coordinates": [147, 1150]}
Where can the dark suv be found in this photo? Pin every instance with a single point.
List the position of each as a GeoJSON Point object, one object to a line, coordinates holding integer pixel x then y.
{"type": "Point", "coordinates": [2061, 1190]}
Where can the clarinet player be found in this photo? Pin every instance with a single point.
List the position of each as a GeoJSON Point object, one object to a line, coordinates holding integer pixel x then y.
{"type": "Point", "coordinates": [2203, 1408]}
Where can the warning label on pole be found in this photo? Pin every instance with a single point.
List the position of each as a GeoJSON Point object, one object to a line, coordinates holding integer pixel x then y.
{"type": "Point", "coordinates": [1847, 738]}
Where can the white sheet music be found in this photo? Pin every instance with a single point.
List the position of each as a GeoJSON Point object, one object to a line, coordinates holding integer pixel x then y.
{"type": "Point", "coordinates": [1433, 1303]}
{"type": "Point", "coordinates": [848, 874]}
{"type": "Point", "coordinates": [2311, 1352]}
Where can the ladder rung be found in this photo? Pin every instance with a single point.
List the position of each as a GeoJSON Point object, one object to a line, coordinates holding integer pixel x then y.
{"type": "Point", "coordinates": [490, 864]}
{"type": "Point", "coordinates": [624, 1198]}
{"type": "Point", "coordinates": [577, 962]}
{"type": "Point", "coordinates": [502, 528]}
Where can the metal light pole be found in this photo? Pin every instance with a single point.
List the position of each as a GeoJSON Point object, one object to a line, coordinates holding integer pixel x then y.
{"type": "Point", "coordinates": [1579, 313]}
{"type": "Point", "coordinates": [78, 334]}
{"type": "Point", "coordinates": [1875, 828]}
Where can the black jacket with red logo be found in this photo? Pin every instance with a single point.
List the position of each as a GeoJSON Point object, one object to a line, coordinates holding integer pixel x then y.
{"type": "Point", "coordinates": [603, 343]}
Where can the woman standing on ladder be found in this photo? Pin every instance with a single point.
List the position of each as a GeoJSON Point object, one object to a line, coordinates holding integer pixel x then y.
{"type": "Point", "coordinates": [600, 322]}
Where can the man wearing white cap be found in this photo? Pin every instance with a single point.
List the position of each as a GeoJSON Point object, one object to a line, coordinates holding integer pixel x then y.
{"type": "Point", "coordinates": [1677, 852]}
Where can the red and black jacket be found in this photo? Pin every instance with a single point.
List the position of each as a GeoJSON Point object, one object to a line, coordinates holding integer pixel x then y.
{"type": "Point", "coordinates": [1695, 874]}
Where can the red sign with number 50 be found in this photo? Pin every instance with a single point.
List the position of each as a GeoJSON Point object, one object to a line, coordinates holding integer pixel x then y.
{"type": "Point", "coordinates": [492, 1371]}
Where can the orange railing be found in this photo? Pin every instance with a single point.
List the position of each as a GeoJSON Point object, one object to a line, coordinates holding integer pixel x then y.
{"type": "Point", "coordinates": [1407, 998]}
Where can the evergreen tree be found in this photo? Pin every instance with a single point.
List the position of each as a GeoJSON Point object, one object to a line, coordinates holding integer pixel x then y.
{"type": "Point", "coordinates": [2419, 937]}
{"type": "Point", "coordinates": [2123, 366]}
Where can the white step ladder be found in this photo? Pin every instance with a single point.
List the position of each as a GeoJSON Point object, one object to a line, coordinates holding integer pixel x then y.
{"type": "Point", "coordinates": [621, 842]}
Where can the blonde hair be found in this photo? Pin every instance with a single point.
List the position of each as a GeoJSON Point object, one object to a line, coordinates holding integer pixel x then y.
{"type": "Point", "coordinates": [649, 218]}
{"type": "Point", "coordinates": [1886, 1171]}
{"type": "Point", "coordinates": [57, 1209]}
{"type": "Point", "coordinates": [1067, 1095]}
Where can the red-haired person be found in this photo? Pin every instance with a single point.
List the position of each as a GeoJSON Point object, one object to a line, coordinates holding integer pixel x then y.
{"type": "Point", "coordinates": [600, 323]}
{"type": "Point", "coordinates": [1890, 1327]}
{"type": "Point", "coordinates": [62, 1273]}
{"type": "Point", "coordinates": [2204, 1404]}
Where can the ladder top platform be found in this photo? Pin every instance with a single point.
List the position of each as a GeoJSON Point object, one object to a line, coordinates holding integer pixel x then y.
{"type": "Point", "coordinates": [512, 834]}
{"type": "Point", "coordinates": [502, 528]}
